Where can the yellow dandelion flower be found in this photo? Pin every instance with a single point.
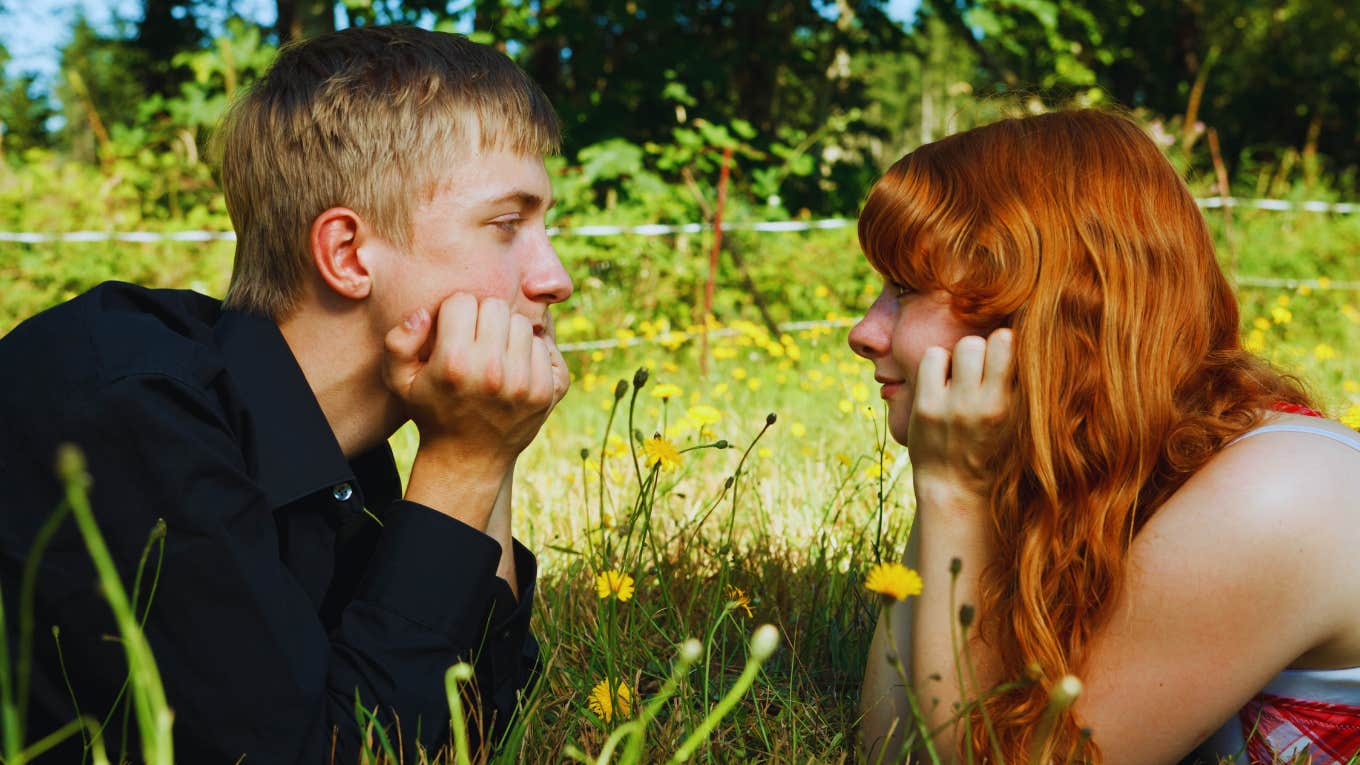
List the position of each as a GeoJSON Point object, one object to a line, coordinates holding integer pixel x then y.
{"type": "Point", "coordinates": [615, 584]}
{"type": "Point", "coordinates": [720, 390]}
{"type": "Point", "coordinates": [798, 429]}
{"type": "Point", "coordinates": [662, 452]}
{"type": "Point", "coordinates": [666, 390]}
{"type": "Point", "coordinates": [1282, 300]}
{"type": "Point", "coordinates": [753, 383]}
{"type": "Point", "coordinates": [724, 352]}
{"type": "Point", "coordinates": [669, 366]}
{"type": "Point", "coordinates": [1324, 352]}
{"type": "Point", "coordinates": [821, 291]}
{"type": "Point", "coordinates": [579, 324]}
{"type": "Point", "coordinates": [1255, 342]}
{"type": "Point", "coordinates": [606, 705]}
{"type": "Point", "coordinates": [893, 581]}
{"type": "Point", "coordinates": [845, 406]}
{"type": "Point", "coordinates": [1261, 323]}
{"type": "Point", "coordinates": [764, 452]}
{"type": "Point", "coordinates": [1305, 289]}
{"type": "Point", "coordinates": [1351, 313]}
{"type": "Point", "coordinates": [1350, 386]}
{"type": "Point", "coordinates": [1281, 315]}
{"type": "Point", "coordinates": [738, 599]}
{"type": "Point", "coordinates": [860, 392]}
{"type": "Point", "coordinates": [1324, 282]}
{"type": "Point", "coordinates": [873, 471]}
{"type": "Point", "coordinates": [739, 373]}
{"type": "Point", "coordinates": [597, 356]}
{"type": "Point", "coordinates": [615, 445]}
{"type": "Point", "coordinates": [702, 414]}
{"type": "Point", "coordinates": [1351, 418]}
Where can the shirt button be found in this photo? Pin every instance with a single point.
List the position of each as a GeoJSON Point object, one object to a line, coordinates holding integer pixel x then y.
{"type": "Point", "coordinates": [342, 492]}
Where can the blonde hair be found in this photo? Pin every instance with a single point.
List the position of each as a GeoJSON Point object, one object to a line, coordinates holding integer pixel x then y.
{"type": "Point", "coordinates": [367, 118]}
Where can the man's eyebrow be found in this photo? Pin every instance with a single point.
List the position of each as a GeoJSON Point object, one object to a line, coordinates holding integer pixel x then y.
{"type": "Point", "coordinates": [524, 199]}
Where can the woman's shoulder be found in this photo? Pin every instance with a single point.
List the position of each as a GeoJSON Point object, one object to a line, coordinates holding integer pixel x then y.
{"type": "Point", "coordinates": [1285, 496]}
{"type": "Point", "coordinates": [1291, 455]}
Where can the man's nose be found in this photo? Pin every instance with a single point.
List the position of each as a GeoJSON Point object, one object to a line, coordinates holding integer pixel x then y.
{"type": "Point", "coordinates": [872, 336]}
{"type": "Point", "coordinates": [547, 280]}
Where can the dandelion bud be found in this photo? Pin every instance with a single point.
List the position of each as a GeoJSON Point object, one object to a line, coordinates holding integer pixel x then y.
{"type": "Point", "coordinates": [620, 388]}
{"type": "Point", "coordinates": [955, 566]}
{"type": "Point", "coordinates": [690, 651]}
{"type": "Point", "coordinates": [728, 483]}
{"type": "Point", "coordinates": [585, 454]}
{"type": "Point", "coordinates": [462, 672]}
{"type": "Point", "coordinates": [640, 377]}
{"type": "Point", "coordinates": [966, 615]}
{"type": "Point", "coordinates": [71, 465]}
{"type": "Point", "coordinates": [764, 641]}
{"type": "Point", "coordinates": [1065, 692]}
{"type": "Point", "coordinates": [769, 419]}
{"type": "Point", "coordinates": [722, 444]}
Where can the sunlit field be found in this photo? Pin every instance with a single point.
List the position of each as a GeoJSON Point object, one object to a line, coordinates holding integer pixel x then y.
{"type": "Point", "coordinates": [672, 505]}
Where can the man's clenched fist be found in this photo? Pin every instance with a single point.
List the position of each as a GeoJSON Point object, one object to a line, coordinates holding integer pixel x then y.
{"type": "Point", "coordinates": [477, 379]}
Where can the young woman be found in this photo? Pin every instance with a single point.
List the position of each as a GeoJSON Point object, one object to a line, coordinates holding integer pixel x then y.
{"type": "Point", "coordinates": [1131, 497]}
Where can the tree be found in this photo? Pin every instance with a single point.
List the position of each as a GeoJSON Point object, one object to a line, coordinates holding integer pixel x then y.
{"type": "Point", "coordinates": [23, 111]}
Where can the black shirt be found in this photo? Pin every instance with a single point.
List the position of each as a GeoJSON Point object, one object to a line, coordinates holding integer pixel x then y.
{"type": "Point", "coordinates": [280, 597]}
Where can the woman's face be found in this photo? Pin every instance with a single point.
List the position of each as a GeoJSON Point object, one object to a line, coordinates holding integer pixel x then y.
{"type": "Point", "coordinates": [894, 334]}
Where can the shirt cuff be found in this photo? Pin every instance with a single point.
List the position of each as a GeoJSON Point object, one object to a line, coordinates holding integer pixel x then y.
{"type": "Point", "coordinates": [440, 573]}
{"type": "Point", "coordinates": [510, 616]}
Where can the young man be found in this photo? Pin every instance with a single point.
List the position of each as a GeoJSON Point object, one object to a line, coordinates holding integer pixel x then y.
{"type": "Point", "coordinates": [388, 191]}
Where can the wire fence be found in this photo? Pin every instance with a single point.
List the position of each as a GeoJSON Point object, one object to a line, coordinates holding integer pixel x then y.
{"type": "Point", "coordinates": [647, 229]}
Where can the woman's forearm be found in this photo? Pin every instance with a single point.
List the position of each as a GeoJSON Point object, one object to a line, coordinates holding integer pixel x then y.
{"type": "Point", "coordinates": [946, 672]}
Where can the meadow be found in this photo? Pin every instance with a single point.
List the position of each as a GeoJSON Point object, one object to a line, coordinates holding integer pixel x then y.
{"type": "Point", "coordinates": [668, 504]}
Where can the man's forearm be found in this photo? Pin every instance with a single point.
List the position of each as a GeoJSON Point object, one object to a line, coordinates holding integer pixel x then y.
{"type": "Point", "coordinates": [500, 528]}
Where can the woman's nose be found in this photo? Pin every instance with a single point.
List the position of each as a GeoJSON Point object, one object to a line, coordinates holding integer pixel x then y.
{"type": "Point", "coordinates": [872, 336]}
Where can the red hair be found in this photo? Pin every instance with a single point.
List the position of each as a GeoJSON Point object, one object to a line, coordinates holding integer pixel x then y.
{"type": "Point", "coordinates": [1072, 229]}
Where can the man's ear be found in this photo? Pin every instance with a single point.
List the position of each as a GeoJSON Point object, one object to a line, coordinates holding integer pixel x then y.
{"type": "Point", "coordinates": [336, 237]}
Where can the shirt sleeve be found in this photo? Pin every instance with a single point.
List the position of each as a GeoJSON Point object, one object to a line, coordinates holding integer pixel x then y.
{"type": "Point", "coordinates": [247, 664]}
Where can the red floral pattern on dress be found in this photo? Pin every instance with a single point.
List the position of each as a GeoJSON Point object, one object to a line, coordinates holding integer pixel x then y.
{"type": "Point", "coordinates": [1278, 729]}
{"type": "Point", "coordinates": [1288, 408]}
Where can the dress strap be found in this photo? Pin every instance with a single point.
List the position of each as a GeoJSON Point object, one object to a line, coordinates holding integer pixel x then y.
{"type": "Point", "coordinates": [1352, 441]}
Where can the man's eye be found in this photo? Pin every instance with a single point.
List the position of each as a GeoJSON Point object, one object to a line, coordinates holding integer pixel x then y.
{"type": "Point", "coordinates": [508, 225]}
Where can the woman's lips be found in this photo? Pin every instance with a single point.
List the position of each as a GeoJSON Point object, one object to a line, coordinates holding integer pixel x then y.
{"type": "Point", "coordinates": [890, 389]}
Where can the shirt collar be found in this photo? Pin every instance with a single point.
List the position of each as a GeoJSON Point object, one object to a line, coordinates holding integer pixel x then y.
{"type": "Point", "coordinates": [296, 450]}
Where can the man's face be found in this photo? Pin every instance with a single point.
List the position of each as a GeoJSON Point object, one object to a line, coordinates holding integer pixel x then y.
{"type": "Point", "coordinates": [484, 233]}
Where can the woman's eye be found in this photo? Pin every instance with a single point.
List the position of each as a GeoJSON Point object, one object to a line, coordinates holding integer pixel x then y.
{"type": "Point", "coordinates": [898, 290]}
